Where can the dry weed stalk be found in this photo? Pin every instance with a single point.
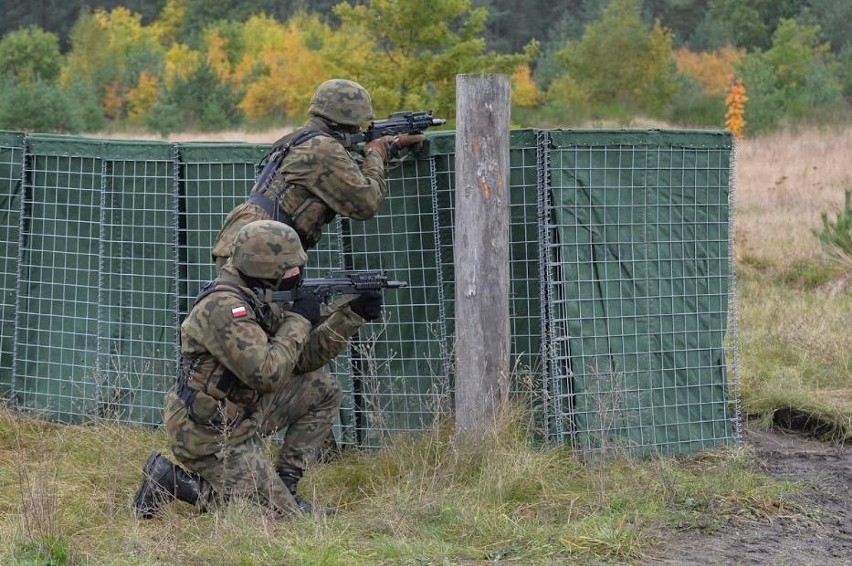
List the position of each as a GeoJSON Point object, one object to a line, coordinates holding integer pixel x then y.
{"type": "Point", "coordinates": [40, 512]}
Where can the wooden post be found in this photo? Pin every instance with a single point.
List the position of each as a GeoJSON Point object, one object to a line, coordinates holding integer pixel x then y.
{"type": "Point", "coordinates": [481, 250]}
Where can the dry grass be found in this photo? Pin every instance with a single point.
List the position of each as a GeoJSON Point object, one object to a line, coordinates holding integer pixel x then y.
{"type": "Point", "coordinates": [267, 136]}
{"type": "Point", "coordinates": [784, 182]}
{"type": "Point", "coordinates": [795, 304]}
{"type": "Point", "coordinates": [424, 500]}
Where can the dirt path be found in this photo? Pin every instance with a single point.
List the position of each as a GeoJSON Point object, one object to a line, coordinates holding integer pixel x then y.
{"type": "Point", "coordinates": [823, 537]}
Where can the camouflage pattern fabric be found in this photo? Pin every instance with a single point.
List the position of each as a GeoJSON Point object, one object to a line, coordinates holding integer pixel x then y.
{"type": "Point", "coordinates": [278, 384]}
{"type": "Point", "coordinates": [315, 181]}
{"type": "Point", "coordinates": [236, 462]}
{"type": "Point", "coordinates": [343, 102]}
{"type": "Point", "coordinates": [266, 249]}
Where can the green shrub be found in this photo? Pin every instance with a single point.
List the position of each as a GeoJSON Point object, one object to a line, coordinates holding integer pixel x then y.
{"type": "Point", "coordinates": [163, 118]}
{"type": "Point", "coordinates": [794, 78]}
{"type": "Point", "coordinates": [620, 62]}
{"type": "Point", "coordinates": [692, 108]}
{"type": "Point", "coordinates": [87, 107]}
{"type": "Point", "coordinates": [215, 110]}
{"type": "Point", "coordinates": [38, 106]}
{"type": "Point", "coordinates": [802, 275]}
{"type": "Point", "coordinates": [844, 71]}
{"type": "Point", "coordinates": [30, 54]}
{"type": "Point", "coordinates": [836, 235]}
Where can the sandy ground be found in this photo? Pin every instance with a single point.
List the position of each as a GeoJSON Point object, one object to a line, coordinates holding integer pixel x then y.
{"type": "Point", "coordinates": [823, 536]}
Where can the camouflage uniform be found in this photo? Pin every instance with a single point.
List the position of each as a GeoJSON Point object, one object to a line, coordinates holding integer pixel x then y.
{"type": "Point", "coordinates": [317, 178]}
{"type": "Point", "coordinates": [249, 369]}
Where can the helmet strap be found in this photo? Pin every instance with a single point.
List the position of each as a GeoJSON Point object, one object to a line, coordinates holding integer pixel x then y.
{"type": "Point", "coordinates": [343, 138]}
{"type": "Point", "coordinates": [344, 131]}
{"type": "Point", "coordinates": [329, 123]}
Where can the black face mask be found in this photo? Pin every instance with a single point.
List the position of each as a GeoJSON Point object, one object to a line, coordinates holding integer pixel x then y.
{"type": "Point", "coordinates": [254, 283]}
{"type": "Point", "coordinates": [290, 283]}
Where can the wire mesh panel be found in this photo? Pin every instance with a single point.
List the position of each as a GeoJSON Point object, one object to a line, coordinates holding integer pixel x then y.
{"type": "Point", "coordinates": [11, 180]}
{"type": "Point", "coordinates": [399, 364]}
{"type": "Point", "coordinates": [620, 265]}
{"type": "Point", "coordinates": [212, 179]}
{"type": "Point", "coordinates": [639, 281]}
{"type": "Point", "coordinates": [524, 264]}
{"type": "Point", "coordinates": [56, 330]}
{"type": "Point", "coordinates": [136, 348]}
{"type": "Point", "coordinates": [323, 259]}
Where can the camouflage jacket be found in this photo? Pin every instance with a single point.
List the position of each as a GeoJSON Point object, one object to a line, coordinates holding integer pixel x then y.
{"type": "Point", "coordinates": [231, 354]}
{"type": "Point", "coordinates": [315, 181]}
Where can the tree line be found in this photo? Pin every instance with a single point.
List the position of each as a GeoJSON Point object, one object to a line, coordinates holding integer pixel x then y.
{"type": "Point", "coordinates": [171, 65]}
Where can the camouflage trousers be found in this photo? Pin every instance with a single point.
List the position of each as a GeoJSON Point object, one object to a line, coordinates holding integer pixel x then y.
{"type": "Point", "coordinates": [235, 460]}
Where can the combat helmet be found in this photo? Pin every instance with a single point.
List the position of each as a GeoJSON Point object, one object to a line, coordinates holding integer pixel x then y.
{"type": "Point", "coordinates": [342, 102]}
{"type": "Point", "coordinates": [264, 249]}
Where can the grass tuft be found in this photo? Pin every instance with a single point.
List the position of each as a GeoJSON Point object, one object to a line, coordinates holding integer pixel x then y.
{"type": "Point", "coordinates": [429, 499]}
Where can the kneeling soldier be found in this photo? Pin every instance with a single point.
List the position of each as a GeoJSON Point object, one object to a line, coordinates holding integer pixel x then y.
{"type": "Point", "coordinates": [248, 369]}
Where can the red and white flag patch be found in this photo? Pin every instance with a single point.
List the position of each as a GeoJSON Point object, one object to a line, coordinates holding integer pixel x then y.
{"type": "Point", "coordinates": [238, 312]}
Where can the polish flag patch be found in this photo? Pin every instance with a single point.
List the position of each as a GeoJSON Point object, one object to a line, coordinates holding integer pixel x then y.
{"type": "Point", "coordinates": [239, 312]}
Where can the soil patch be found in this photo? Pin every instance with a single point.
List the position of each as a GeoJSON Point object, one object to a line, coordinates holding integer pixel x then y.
{"type": "Point", "coordinates": [822, 536]}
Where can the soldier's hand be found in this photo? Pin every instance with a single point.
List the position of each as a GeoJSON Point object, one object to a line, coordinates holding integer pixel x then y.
{"type": "Point", "coordinates": [404, 144]}
{"type": "Point", "coordinates": [383, 145]}
{"type": "Point", "coordinates": [307, 306]}
{"type": "Point", "coordinates": [406, 140]}
{"type": "Point", "coordinates": [368, 306]}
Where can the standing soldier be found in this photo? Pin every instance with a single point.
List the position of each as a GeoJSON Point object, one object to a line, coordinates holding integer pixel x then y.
{"type": "Point", "coordinates": [311, 177]}
{"type": "Point", "coordinates": [249, 369]}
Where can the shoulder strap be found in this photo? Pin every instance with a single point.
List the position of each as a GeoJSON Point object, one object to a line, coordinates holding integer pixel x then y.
{"type": "Point", "coordinates": [295, 138]}
{"type": "Point", "coordinates": [216, 285]}
{"type": "Point", "coordinates": [261, 310]}
{"type": "Point", "coordinates": [270, 161]}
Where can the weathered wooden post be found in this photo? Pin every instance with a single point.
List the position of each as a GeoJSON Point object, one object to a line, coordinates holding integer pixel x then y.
{"type": "Point", "coordinates": [481, 250]}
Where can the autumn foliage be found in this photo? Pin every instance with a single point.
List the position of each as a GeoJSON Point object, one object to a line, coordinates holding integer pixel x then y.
{"type": "Point", "coordinates": [713, 70]}
{"type": "Point", "coordinates": [261, 71]}
{"type": "Point", "coordinates": [525, 93]}
{"type": "Point", "coordinates": [735, 102]}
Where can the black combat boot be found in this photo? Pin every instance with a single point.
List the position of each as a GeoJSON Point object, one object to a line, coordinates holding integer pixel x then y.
{"type": "Point", "coordinates": [163, 482]}
{"type": "Point", "coordinates": [291, 477]}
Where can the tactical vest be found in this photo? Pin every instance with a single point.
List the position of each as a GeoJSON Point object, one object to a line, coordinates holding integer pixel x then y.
{"type": "Point", "coordinates": [285, 202]}
{"type": "Point", "coordinates": [211, 392]}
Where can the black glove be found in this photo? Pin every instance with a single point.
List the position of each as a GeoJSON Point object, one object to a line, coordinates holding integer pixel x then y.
{"type": "Point", "coordinates": [368, 306]}
{"type": "Point", "coordinates": [308, 306]}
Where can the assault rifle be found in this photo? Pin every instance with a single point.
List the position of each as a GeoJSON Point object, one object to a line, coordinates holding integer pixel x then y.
{"type": "Point", "coordinates": [404, 122]}
{"type": "Point", "coordinates": [337, 283]}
